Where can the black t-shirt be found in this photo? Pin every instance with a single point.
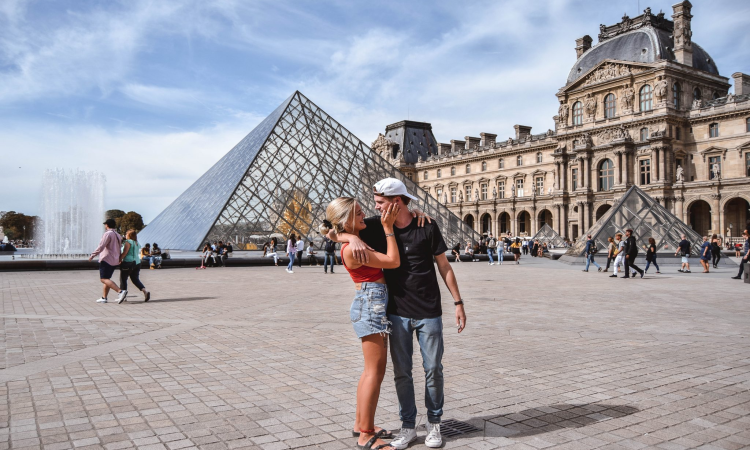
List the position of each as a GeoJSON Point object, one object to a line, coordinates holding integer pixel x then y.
{"type": "Point", "coordinates": [684, 246]}
{"type": "Point", "coordinates": [413, 290]}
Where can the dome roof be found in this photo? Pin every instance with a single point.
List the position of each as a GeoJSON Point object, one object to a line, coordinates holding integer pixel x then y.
{"type": "Point", "coordinates": [644, 45]}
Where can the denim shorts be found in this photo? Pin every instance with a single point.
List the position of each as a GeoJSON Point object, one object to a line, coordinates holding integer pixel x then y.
{"type": "Point", "coordinates": [368, 311]}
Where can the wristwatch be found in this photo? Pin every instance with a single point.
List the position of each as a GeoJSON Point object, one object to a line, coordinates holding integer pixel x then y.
{"type": "Point", "coordinates": [460, 302]}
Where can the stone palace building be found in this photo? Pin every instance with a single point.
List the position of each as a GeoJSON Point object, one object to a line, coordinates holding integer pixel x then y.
{"type": "Point", "coordinates": [645, 106]}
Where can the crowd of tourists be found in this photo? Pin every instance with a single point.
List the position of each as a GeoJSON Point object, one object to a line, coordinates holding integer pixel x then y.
{"type": "Point", "coordinates": [622, 251]}
{"type": "Point", "coordinates": [216, 254]}
{"type": "Point", "coordinates": [496, 248]}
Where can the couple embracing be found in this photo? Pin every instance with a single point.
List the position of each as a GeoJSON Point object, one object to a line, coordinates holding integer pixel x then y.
{"type": "Point", "coordinates": [390, 260]}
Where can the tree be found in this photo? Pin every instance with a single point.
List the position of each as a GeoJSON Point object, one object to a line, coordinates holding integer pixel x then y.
{"type": "Point", "coordinates": [13, 224]}
{"type": "Point", "coordinates": [130, 221]}
{"type": "Point", "coordinates": [114, 214]}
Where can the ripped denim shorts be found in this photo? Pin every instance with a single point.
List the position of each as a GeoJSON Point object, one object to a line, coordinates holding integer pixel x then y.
{"type": "Point", "coordinates": [368, 311]}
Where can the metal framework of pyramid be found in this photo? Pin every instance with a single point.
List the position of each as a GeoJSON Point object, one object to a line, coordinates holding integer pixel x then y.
{"type": "Point", "coordinates": [636, 210]}
{"type": "Point", "coordinates": [279, 179]}
{"type": "Point", "coordinates": [548, 235]}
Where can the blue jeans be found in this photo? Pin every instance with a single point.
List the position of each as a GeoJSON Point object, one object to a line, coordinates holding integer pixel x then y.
{"type": "Point", "coordinates": [648, 264]}
{"type": "Point", "coordinates": [501, 254]}
{"type": "Point", "coordinates": [430, 338]}
{"type": "Point", "coordinates": [489, 253]}
{"type": "Point", "coordinates": [332, 258]}
{"type": "Point", "coordinates": [291, 261]}
{"type": "Point", "coordinates": [590, 260]}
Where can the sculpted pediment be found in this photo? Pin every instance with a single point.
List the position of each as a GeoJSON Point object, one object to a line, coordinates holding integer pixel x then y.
{"type": "Point", "coordinates": [609, 69]}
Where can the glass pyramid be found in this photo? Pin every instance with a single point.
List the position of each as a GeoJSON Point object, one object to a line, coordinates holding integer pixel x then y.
{"type": "Point", "coordinates": [548, 235]}
{"type": "Point", "coordinates": [636, 210]}
{"type": "Point", "coordinates": [279, 179]}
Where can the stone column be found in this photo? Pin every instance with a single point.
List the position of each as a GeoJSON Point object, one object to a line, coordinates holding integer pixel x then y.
{"type": "Point", "coordinates": [564, 179]}
{"type": "Point", "coordinates": [495, 223]}
{"type": "Point", "coordinates": [663, 175]}
{"type": "Point", "coordinates": [717, 218]}
{"type": "Point", "coordinates": [655, 163]}
{"type": "Point", "coordinates": [618, 168]}
{"type": "Point", "coordinates": [533, 220]}
{"type": "Point", "coordinates": [582, 172]}
{"type": "Point", "coordinates": [514, 218]}
{"type": "Point", "coordinates": [586, 213]}
{"type": "Point", "coordinates": [558, 219]}
{"type": "Point", "coordinates": [581, 228]}
{"type": "Point", "coordinates": [679, 206]}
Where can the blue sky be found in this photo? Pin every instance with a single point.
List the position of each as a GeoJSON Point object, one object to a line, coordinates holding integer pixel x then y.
{"type": "Point", "coordinates": [152, 93]}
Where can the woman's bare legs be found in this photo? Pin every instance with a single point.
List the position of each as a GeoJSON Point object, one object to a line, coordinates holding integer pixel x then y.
{"type": "Point", "coordinates": [374, 348]}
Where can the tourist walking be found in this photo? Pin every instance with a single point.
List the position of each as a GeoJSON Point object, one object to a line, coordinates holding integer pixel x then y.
{"type": "Point", "coordinates": [368, 312]}
{"type": "Point", "coordinates": [619, 254]}
{"type": "Point", "coordinates": [414, 305]}
{"type": "Point", "coordinates": [590, 251]}
{"type": "Point", "coordinates": [683, 248]}
{"type": "Point", "coordinates": [611, 250]}
{"type": "Point", "coordinates": [109, 258]}
{"type": "Point", "coordinates": [300, 251]}
{"type": "Point", "coordinates": [525, 247]}
{"type": "Point", "coordinates": [500, 251]}
{"type": "Point", "coordinates": [515, 248]}
{"type": "Point", "coordinates": [746, 258]}
{"type": "Point", "coordinates": [291, 251]}
{"type": "Point", "coordinates": [491, 246]}
{"type": "Point", "coordinates": [130, 265]}
{"type": "Point", "coordinates": [715, 251]}
{"type": "Point", "coordinates": [651, 255]}
{"type": "Point", "coordinates": [631, 252]}
{"type": "Point", "coordinates": [705, 254]}
{"type": "Point", "coordinates": [329, 247]}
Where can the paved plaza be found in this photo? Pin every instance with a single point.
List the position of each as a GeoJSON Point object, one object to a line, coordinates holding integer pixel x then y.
{"type": "Point", "coordinates": [258, 358]}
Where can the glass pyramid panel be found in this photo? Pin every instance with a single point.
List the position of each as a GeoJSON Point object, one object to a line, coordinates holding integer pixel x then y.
{"type": "Point", "coordinates": [283, 183]}
{"type": "Point", "coordinates": [647, 218]}
{"type": "Point", "coordinates": [548, 235]}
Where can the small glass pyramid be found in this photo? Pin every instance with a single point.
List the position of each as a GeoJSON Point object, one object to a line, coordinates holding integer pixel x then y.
{"type": "Point", "coordinates": [279, 179]}
{"type": "Point", "coordinates": [636, 210]}
{"type": "Point", "coordinates": [548, 235]}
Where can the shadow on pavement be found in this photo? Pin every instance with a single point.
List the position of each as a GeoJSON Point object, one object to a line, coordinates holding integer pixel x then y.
{"type": "Point", "coordinates": [183, 299]}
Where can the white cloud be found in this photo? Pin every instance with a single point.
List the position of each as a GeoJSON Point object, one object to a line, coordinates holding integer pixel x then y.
{"type": "Point", "coordinates": [162, 97]}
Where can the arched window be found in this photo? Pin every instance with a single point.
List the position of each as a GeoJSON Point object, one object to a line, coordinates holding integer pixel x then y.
{"type": "Point", "coordinates": [697, 94]}
{"type": "Point", "coordinates": [519, 160]}
{"type": "Point", "coordinates": [424, 177]}
{"type": "Point", "coordinates": [644, 134]}
{"type": "Point", "coordinates": [439, 173]}
{"type": "Point", "coordinates": [606, 175]}
{"type": "Point", "coordinates": [577, 113]}
{"type": "Point", "coordinates": [484, 166]}
{"type": "Point", "coordinates": [646, 98]}
{"type": "Point", "coordinates": [501, 162]}
{"type": "Point", "coordinates": [713, 130]}
{"type": "Point", "coordinates": [453, 170]}
{"type": "Point", "coordinates": [468, 168]}
{"type": "Point", "coordinates": [676, 93]}
{"type": "Point", "coordinates": [716, 95]}
{"type": "Point", "coordinates": [539, 157]}
{"type": "Point", "coordinates": [610, 108]}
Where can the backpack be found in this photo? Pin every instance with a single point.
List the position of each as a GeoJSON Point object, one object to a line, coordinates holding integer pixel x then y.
{"type": "Point", "coordinates": [593, 249]}
{"type": "Point", "coordinates": [491, 243]}
{"type": "Point", "coordinates": [330, 246]}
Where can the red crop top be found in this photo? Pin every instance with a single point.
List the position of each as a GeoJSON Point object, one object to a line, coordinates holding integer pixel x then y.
{"type": "Point", "coordinates": [362, 274]}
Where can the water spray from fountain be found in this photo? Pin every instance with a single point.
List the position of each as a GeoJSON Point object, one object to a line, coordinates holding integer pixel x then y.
{"type": "Point", "coordinates": [72, 212]}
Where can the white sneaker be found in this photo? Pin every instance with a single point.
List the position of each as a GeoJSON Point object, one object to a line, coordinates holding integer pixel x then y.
{"type": "Point", "coordinates": [433, 439]}
{"type": "Point", "coordinates": [102, 300]}
{"type": "Point", "coordinates": [121, 297]}
{"type": "Point", "coordinates": [404, 437]}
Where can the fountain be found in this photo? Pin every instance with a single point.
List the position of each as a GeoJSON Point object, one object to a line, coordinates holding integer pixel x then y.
{"type": "Point", "coordinates": [72, 213]}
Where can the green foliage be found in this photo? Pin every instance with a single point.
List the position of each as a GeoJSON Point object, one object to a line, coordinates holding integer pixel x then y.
{"type": "Point", "coordinates": [130, 221]}
{"type": "Point", "coordinates": [13, 223]}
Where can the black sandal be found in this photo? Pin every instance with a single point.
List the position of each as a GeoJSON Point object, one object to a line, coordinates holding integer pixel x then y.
{"type": "Point", "coordinates": [383, 434]}
{"type": "Point", "coordinates": [368, 445]}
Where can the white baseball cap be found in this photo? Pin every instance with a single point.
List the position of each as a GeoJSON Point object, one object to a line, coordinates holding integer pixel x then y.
{"type": "Point", "coordinates": [391, 187]}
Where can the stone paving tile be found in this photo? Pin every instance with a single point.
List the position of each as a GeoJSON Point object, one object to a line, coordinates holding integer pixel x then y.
{"type": "Point", "coordinates": [552, 358]}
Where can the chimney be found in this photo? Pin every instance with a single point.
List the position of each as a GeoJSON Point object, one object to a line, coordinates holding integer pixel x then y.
{"type": "Point", "coordinates": [741, 83]}
{"type": "Point", "coordinates": [444, 149]}
{"type": "Point", "coordinates": [523, 131]}
{"type": "Point", "coordinates": [472, 142]}
{"type": "Point", "coordinates": [683, 34]}
{"type": "Point", "coordinates": [583, 44]}
{"type": "Point", "coordinates": [488, 139]}
{"type": "Point", "coordinates": [457, 146]}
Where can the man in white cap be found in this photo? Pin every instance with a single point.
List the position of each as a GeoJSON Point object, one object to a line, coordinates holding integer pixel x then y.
{"type": "Point", "coordinates": [414, 304]}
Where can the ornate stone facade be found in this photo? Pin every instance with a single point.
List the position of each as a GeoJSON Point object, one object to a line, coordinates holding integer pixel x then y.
{"type": "Point", "coordinates": [668, 125]}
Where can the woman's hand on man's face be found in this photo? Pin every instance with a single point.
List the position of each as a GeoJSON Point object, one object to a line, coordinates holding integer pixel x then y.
{"type": "Point", "coordinates": [388, 216]}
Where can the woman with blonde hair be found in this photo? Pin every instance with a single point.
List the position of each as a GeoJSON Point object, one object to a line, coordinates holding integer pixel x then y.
{"type": "Point", "coordinates": [368, 310]}
{"type": "Point", "coordinates": [130, 264]}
